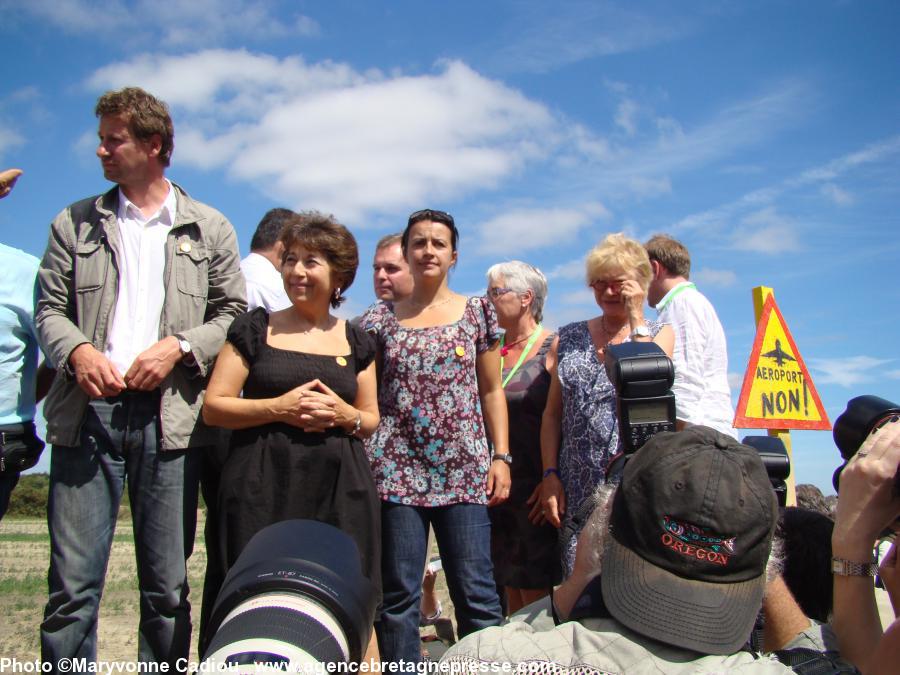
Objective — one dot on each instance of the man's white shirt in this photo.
(142, 292)
(702, 394)
(265, 288)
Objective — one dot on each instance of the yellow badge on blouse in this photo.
(341, 361)
(460, 351)
(185, 247)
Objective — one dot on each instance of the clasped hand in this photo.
(312, 407)
(98, 376)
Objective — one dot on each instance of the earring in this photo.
(337, 293)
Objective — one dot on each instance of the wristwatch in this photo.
(640, 331)
(849, 568)
(187, 357)
(501, 457)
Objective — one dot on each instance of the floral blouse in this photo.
(430, 448)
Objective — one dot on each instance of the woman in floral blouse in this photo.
(439, 385)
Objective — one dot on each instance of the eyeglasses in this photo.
(498, 292)
(433, 215)
(600, 285)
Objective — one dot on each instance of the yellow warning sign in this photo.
(777, 392)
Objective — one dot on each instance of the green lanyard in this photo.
(527, 348)
(678, 290)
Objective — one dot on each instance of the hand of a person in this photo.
(153, 365)
(889, 571)
(633, 298)
(552, 502)
(292, 405)
(498, 483)
(8, 178)
(94, 373)
(318, 411)
(536, 514)
(867, 502)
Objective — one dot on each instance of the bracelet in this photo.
(552, 469)
(357, 425)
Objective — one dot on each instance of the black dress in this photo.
(525, 555)
(278, 472)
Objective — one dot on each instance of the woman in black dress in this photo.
(309, 397)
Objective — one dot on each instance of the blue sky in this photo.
(764, 135)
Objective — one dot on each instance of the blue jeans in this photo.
(119, 444)
(463, 533)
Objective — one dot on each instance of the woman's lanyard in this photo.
(525, 350)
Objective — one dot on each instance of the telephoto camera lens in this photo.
(296, 595)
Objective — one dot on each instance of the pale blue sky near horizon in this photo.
(764, 135)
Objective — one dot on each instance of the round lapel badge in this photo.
(341, 361)
(185, 247)
(460, 351)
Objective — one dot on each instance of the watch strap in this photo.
(850, 568)
(501, 457)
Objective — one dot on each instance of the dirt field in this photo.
(24, 558)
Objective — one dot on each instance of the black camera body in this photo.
(642, 375)
(775, 458)
(853, 426)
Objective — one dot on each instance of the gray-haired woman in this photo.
(526, 557)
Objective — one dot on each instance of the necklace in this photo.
(608, 333)
(506, 346)
(525, 350)
(422, 308)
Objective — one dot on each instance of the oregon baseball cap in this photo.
(691, 530)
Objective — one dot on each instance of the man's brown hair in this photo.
(670, 253)
(146, 115)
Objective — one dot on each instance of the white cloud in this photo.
(326, 136)
(712, 277)
(837, 195)
(735, 381)
(846, 371)
(825, 174)
(582, 297)
(178, 23)
(9, 140)
(572, 270)
(644, 166)
(893, 374)
(626, 116)
(520, 230)
(548, 36)
(766, 231)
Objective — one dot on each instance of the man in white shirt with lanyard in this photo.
(702, 394)
(262, 267)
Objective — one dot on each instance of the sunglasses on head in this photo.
(433, 215)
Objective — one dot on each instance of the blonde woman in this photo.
(579, 429)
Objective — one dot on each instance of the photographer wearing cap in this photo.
(868, 502)
(684, 560)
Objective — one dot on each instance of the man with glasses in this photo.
(702, 394)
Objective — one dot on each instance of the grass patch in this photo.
(30, 584)
(20, 537)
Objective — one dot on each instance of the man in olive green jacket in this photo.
(137, 289)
